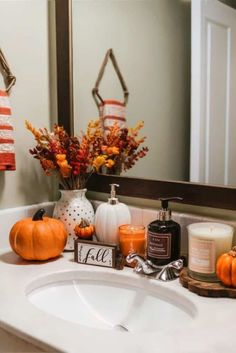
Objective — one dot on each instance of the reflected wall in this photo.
(151, 41)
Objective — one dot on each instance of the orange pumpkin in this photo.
(39, 238)
(226, 268)
(84, 230)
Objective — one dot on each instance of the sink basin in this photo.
(111, 301)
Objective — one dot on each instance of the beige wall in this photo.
(151, 40)
(25, 42)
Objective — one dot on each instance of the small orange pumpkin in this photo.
(39, 238)
(84, 229)
(226, 268)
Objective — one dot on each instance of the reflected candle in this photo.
(132, 239)
(207, 241)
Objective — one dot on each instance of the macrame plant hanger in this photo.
(111, 110)
(9, 78)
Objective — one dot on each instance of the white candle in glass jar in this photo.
(207, 241)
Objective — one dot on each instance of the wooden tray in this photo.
(205, 289)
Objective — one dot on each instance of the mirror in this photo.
(151, 42)
(192, 193)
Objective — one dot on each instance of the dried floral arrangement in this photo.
(121, 149)
(73, 159)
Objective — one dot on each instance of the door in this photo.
(213, 93)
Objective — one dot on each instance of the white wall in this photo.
(24, 39)
(151, 40)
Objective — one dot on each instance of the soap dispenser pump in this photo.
(109, 216)
(164, 236)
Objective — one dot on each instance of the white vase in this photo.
(70, 209)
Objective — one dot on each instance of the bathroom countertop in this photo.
(211, 329)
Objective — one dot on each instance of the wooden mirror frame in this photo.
(192, 193)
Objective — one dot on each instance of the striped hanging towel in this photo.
(112, 111)
(7, 152)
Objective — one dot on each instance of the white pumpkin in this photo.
(109, 216)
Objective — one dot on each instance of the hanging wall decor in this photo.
(121, 143)
(7, 152)
(111, 110)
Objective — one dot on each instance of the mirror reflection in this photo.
(151, 40)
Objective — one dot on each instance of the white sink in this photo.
(111, 301)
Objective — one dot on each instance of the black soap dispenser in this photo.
(164, 236)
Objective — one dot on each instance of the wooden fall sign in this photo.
(95, 253)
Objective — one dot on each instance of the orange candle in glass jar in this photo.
(132, 239)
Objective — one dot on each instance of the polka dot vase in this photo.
(71, 207)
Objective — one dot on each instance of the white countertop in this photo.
(211, 330)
